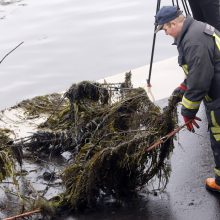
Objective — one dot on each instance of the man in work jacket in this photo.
(198, 45)
(206, 11)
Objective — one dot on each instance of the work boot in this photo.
(212, 185)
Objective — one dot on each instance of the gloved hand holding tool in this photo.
(190, 122)
(179, 91)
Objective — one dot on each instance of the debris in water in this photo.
(106, 129)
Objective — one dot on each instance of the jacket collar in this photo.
(188, 21)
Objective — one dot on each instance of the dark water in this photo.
(66, 41)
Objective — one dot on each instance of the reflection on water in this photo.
(142, 207)
(66, 41)
(5, 9)
(7, 2)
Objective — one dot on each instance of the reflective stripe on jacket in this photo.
(199, 55)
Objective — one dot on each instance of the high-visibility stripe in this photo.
(214, 122)
(217, 40)
(185, 69)
(189, 104)
(217, 171)
(215, 130)
(208, 99)
(217, 137)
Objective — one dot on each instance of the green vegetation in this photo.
(107, 128)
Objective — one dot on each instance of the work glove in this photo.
(190, 122)
(179, 91)
(177, 94)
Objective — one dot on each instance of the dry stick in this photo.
(11, 51)
(23, 215)
(166, 137)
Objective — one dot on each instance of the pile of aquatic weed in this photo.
(107, 129)
(42, 104)
(8, 156)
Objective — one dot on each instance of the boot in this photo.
(212, 185)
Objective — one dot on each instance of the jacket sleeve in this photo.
(200, 73)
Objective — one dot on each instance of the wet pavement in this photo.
(185, 196)
(192, 162)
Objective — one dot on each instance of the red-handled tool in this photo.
(166, 137)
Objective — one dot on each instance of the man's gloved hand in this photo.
(190, 122)
(179, 91)
(177, 94)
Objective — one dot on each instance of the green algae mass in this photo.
(106, 128)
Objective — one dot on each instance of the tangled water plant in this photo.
(8, 156)
(107, 129)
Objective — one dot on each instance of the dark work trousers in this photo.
(213, 117)
(207, 11)
(216, 153)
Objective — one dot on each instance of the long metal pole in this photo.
(177, 3)
(186, 8)
(153, 47)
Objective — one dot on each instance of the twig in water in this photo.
(23, 215)
(11, 51)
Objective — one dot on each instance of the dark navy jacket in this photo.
(199, 55)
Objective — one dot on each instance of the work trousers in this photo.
(216, 153)
(207, 11)
(213, 116)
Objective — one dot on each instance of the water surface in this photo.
(66, 41)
